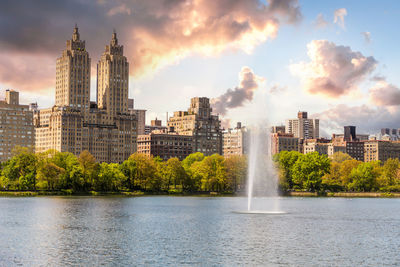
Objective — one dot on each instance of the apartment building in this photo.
(16, 125)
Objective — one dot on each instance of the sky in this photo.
(255, 60)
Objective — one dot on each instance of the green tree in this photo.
(49, 175)
(20, 171)
(145, 169)
(110, 178)
(89, 168)
(363, 178)
(339, 157)
(212, 173)
(308, 171)
(236, 172)
(191, 164)
(332, 179)
(286, 160)
(174, 173)
(390, 174)
(345, 170)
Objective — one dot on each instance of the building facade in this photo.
(303, 127)
(106, 129)
(355, 150)
(155, 125)
(235, 141)
(165, 145)
(16, 125)
(381, 150)
(283, 142)
(200, 123)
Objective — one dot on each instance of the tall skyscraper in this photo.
(113, 79)
(73, 75)
(106, 129)
(303, 127)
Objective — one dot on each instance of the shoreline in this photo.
(199, 194)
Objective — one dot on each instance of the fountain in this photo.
(262, 179)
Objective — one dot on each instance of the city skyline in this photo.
(190, 61)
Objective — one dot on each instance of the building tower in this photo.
(113, 79)
(350, 133)
(73, 75)
(303, 127)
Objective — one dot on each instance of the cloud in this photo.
(339, 15)
(154, 33)
(277, 88)
(334, 70)
(232, 98)
(320, 21)
(367, 118)
(385, 94)
(367, 36)
(121, 9)
(23, 70)
(378, 78)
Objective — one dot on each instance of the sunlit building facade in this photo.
(106, 129)
(200, 123)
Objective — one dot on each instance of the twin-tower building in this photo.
(109, 127)
(105, 128)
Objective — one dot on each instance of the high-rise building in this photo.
(235, 141)
(350, 133)
(16, 125)
(73, 75)
(106, 129)
(113, 79)
(199, 122)
(303, 127)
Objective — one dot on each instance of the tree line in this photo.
(315, 172)
(53, 170)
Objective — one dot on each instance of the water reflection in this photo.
(171, 231)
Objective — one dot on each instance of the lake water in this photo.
(197, 231)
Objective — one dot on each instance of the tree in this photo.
(49, 175)
(390, 174)
(286, 160)
(191, 164)
(212, 174)
(20, 171)
(145, 169)
(332, 179)
(345, 170)
(339, 157)
(174, 173)
(110, 178)
(309, 170)
(236, 172)
(363, 178)
(89, 168)
(192, 158)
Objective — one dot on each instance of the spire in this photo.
(75, 35)
(114, 40)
